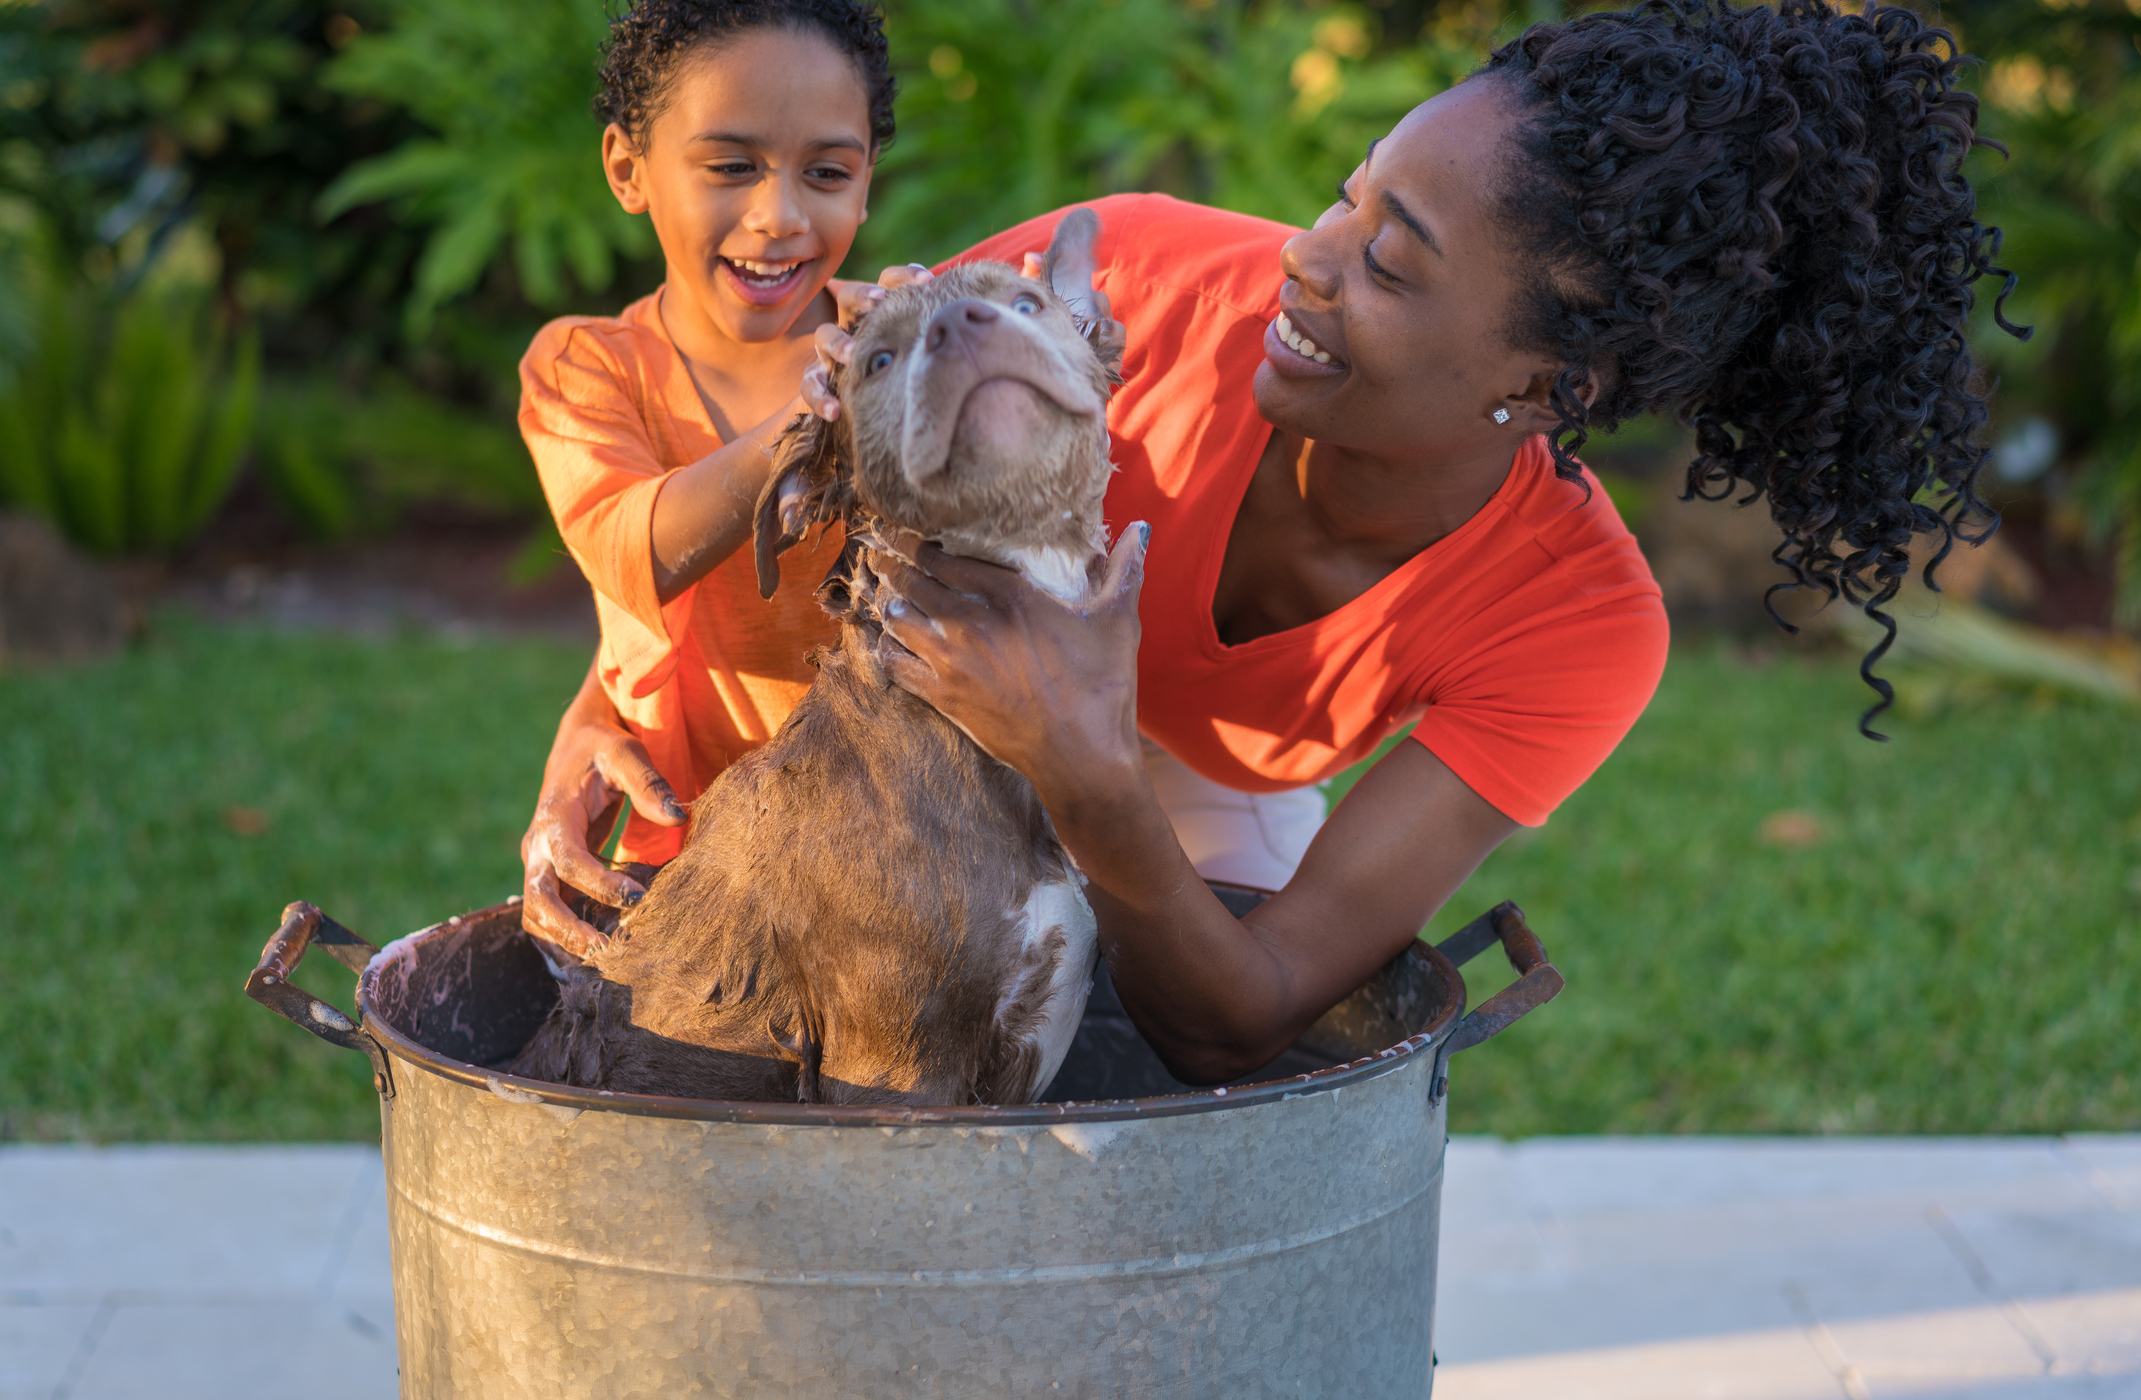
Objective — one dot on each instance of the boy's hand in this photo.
(835, 344)
(595, 767)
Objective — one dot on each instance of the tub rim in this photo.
(524, 1090)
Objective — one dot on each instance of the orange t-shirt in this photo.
(1524, 644)
(609, 409)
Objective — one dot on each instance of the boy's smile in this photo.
(764, 283)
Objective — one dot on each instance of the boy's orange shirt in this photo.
(608, 409)
(1524, 645)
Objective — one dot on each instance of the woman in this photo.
(1364, 505)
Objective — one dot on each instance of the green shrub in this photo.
(125, 424)
(2062, 89)
(1011, 108)
(513, 164)
(339, 461)
(122, 119)
(1008, 108)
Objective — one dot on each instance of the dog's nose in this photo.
(967, 319)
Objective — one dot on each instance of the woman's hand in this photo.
(1047, 688)
(595, 766)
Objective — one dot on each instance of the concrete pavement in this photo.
(1649, 1268)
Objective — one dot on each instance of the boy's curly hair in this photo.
(1756, 219)
(639, 60)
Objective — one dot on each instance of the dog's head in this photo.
(974, 412)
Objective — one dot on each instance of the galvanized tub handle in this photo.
(302, 926)
(1538, 981)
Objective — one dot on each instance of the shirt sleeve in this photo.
(601, 474)
(1526, 719)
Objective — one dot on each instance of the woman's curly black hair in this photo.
(639, 60)
(1756, 219)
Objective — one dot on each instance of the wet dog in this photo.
(870, 909)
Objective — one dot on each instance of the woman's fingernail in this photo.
(632, 899)
(672, 810)
(1144, 535)
(895, 608)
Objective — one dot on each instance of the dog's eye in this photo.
(877, 362)
(1026, 304)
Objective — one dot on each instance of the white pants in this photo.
(1244, 838)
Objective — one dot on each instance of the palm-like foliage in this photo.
(126, 425)
(1008, 108)
(512, 164)
(1013, 107)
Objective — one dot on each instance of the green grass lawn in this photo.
(394, 777)
(1959, 951)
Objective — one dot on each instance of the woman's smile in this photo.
(1297, 355)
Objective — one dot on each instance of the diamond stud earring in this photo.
(1501, 415)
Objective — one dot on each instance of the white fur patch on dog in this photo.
(1058, 572)
(1059, 904)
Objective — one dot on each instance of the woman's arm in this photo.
(1052, 692)
(595, 766)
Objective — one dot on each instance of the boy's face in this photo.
(756, 174)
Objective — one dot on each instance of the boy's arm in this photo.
(595, 766)
(705, 511)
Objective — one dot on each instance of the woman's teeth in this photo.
(1300, 343)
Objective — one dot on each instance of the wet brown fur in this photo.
(842, 924)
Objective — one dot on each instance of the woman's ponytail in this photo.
(1756, 219)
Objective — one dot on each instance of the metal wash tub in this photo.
(1148, 1239)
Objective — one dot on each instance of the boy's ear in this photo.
(620, 166)
(810, 485)
(1068, 267)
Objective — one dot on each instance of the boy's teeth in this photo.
(775, 271)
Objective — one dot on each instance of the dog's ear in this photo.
(810, 485)
(1068, 265)
(1068, 269)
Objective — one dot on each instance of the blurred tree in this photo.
(2061, 81)
(1008, 108)
(1013, 107)
(508, 164)
(122, 121)
(414, 181)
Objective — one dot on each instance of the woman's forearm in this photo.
(1208, 992)
(1218, 997)
(704, 511)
